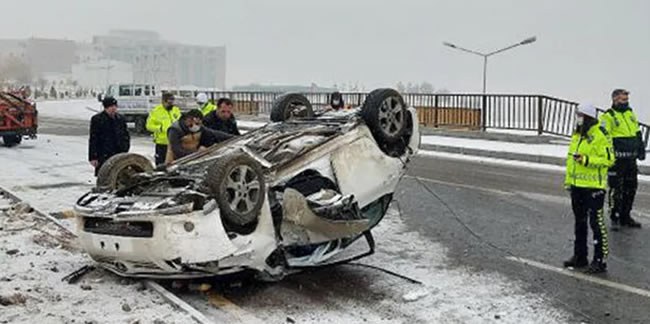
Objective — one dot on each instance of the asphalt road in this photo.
(525, 213)
(483, 214)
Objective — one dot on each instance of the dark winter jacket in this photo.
(182, 142)
(214, 122)
(108, 136)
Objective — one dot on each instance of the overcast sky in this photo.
(584, 49)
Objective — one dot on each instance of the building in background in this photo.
(122, 56)
(96, 74)
(50, 56)
(12, 48)
(164, 63)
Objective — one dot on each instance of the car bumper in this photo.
(186, 245)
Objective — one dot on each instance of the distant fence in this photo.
(542, 114)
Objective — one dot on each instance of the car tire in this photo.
(289, 106)
(12, 140)
(384, 112)
(141, 125)
(237, 183)
(117, 172)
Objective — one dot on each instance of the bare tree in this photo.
(426, 87)
(400, 86)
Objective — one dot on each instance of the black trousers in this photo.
(161, 153)
(99, 166)
(587, 205)
(623, 184)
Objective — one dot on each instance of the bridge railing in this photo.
(536, 113)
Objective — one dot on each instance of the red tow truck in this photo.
(18, 118)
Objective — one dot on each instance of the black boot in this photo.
(616, 225)
(576, 262)
(597, 266)
(631, 223)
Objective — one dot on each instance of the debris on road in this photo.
(31, 291)
(14, 299)
(415, 295)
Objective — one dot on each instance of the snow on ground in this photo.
(552, 150)
(54, 168)
(36, 255)
(447, 295)
(460, 295)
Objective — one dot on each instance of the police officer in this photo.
(108, 134)
(160, 119)
(590, 155)
(204, 104)
(622, 125)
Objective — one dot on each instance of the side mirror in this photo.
(100, 97)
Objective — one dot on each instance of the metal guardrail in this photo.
(539, 113)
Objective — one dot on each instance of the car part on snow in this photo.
(118, 172)
(237, 183)
(12, 140)
(302, 225)
(289, 106)
(77, 274)
(385, 113)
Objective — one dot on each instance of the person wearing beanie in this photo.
(108, 134)
(590, 155)
(622, 126)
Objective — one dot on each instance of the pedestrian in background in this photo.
(108, 134)
(222, 119)
(590, 155)
(205, 105)
(336, 101)
(159, 121)
(622, 125)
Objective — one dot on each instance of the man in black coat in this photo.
(108, 134)
(222, 118)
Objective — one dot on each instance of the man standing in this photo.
(160, 119)
(108, 134)
(222, 119)
(622, 126)
(590, 154)
(187, 136)
(204, 104)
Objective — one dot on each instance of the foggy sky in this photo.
(585, 48)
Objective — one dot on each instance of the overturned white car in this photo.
(289, 195)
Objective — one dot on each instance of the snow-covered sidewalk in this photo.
(543, 150)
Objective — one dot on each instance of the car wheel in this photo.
(140, 125)
(385, 114)
(118, 171)
(237, 183)
(12, 140)
(289, 106)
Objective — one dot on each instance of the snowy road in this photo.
(469, 277)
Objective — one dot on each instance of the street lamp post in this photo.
(486, 55)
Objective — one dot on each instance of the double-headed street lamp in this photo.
(486, 55)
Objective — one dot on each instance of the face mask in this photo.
(195, 128)
(335, 102)
(580, 120)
